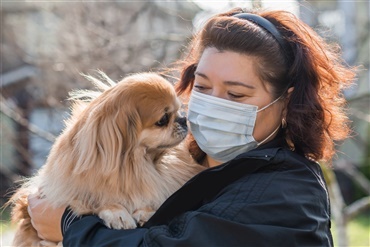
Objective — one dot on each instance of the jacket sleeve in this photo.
(283, 207)
(191, 229)
(91, 231)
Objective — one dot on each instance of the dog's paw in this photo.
(117, 218)
(142, 215)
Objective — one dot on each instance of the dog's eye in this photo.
(163, 121)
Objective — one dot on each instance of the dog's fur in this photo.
(120, 156)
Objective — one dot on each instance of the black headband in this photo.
(269, 27)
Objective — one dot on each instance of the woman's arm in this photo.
(286, 207)
(204, 227)
(190, 229)
(91, 231)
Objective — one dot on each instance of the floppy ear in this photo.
(104, 140)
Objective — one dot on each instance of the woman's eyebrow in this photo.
(238, 83)
(200, 74)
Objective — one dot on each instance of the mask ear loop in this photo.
(264, 140)
(263, 108)
(273, 102)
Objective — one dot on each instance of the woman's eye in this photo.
(163, 121)
(199, 87)
(236, 96)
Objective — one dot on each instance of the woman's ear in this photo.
(287, 96)
(286, 101)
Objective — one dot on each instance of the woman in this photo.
(265, 105)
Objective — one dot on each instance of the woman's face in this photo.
(232, 76)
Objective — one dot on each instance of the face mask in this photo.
(222, 128)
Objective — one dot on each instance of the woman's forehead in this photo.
(228, 66)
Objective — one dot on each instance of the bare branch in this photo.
(355, 174)
(13, 114)
(357, 207)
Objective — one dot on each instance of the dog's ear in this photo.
(104, 141)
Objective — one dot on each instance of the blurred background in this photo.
(45, 45)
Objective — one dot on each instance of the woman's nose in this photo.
(218, 93)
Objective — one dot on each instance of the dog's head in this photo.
(139, 112)
(151, 116)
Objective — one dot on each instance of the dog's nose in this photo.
(181, 121)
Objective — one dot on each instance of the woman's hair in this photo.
(316, 116)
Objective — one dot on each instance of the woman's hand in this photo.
(45, 219)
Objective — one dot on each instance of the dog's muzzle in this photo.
(182, 122)
(181, 127)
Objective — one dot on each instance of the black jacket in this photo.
(270, 196)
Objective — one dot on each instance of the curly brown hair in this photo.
(316, 113)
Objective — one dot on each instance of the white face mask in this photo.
(222, 128)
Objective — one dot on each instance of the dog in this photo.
(120, 156)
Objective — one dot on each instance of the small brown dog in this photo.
(120, 156)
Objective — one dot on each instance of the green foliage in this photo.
(358, 231)
(4, 218)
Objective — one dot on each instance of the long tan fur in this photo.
(120, 156)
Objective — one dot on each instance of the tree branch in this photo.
(357, 207)
(13, 114)
(355, 174)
